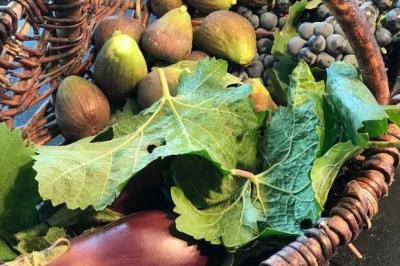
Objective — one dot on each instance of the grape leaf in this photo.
(361, 114)
(205, 118)
(326, 168)
(292, 142)
(234, 211)
(30, 244)
(18, 188)
(282, 37)
(218, 209)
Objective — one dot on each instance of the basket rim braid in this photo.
(60, 31)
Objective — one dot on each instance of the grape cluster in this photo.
(323, 41)
(264, 20)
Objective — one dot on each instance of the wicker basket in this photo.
(60, 32)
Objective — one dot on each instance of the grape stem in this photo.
(361, 37)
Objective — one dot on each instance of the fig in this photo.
(254, 3)
(208, 6)
(160, 7)
(196, 56)
(106, 27)
(81, 108)
(150, 90)
(260, 96)
(141, 239)
(119, 66)
(228, 35)
(170, 37)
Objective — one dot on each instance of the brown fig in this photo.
(81, 108)
(127, 25)
(160, 7)
(196, 56)
(228, 35)
(150, 90)
(170, 37)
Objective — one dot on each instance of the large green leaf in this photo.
(282, 37)
(326, 168)
(18, 188)
(205, 118)
(292, 142)
(218, 209)
(361, 115)
(234, 210)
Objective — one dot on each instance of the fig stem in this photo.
(164, 83)
(384, 144)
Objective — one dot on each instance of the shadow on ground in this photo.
(381, 244)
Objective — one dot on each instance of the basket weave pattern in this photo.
(60, 34)
(41, 42)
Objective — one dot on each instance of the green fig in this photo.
(150, 90)
(228, 35)
(208, 6)
(119, 66)
(160, 7)
(81, 108)
(260, 96)
(106, 27)
(170, 37)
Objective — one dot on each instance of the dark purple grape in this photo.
(383, 4)
(262, 10)
(338, 30)
(306, 30)
(255, 21)
(265, 77)
(241, 9)
(264, 45)
(335, 44)
(324, 28)
(317, 43)
(371, 12)
(348, 49)
(331, 20)
(255, 69)
(282, 21)
(248, 14)
(383, 36)
(295, 44)
(324, 60)
(269, 60)
(323, 12)
(392, 20)
(282, 6)
(351, 59)
(307, 55)
(268, 20)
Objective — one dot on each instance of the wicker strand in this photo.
(352, 213)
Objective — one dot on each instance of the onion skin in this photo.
(140, 239)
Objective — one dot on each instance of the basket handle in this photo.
(361, 37)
